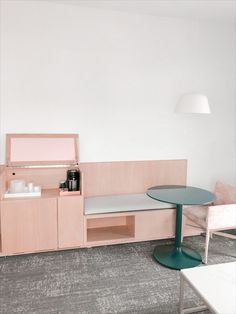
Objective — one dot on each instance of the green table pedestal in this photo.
(176, 258)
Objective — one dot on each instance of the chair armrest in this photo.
(221, 216)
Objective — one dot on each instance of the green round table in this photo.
(177, 256)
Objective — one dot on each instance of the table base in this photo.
(176, 258)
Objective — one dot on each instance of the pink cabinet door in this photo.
(29, 225)
(70, 221)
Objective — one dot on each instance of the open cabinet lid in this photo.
(41, 149)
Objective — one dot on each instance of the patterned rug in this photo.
(110, 279)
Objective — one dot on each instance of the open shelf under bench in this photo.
(110, 228)
(109, 233)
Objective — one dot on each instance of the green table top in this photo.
(180, 194)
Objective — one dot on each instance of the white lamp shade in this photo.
(193, 103)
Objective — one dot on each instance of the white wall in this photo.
(114, 78)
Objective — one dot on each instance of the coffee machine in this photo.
(73, 180)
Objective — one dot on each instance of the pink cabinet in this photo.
(70, 221)
(49, 221)
(28, 225)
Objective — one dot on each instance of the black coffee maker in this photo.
(73, 180)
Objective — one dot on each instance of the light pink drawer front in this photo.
(156, 224)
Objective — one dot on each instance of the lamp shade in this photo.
(193, 103)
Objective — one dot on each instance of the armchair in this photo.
(215, 218)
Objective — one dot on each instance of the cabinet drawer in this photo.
(157, 224)
(70, 221)
(29, 225)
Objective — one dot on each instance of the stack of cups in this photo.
(32, 188)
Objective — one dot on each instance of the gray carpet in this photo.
(110, 279)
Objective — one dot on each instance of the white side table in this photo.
(214, 284)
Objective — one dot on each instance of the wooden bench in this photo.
(116, 208)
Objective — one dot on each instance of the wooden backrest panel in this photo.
(130, 177)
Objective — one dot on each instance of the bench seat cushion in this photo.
(122, 203)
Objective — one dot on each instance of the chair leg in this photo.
(183, 229)
(206, 246)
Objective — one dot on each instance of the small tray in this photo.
(24, 194)
(68, 193)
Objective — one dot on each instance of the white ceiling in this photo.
(214, 10)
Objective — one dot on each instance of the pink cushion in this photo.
(197, 214)
(225, 194)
